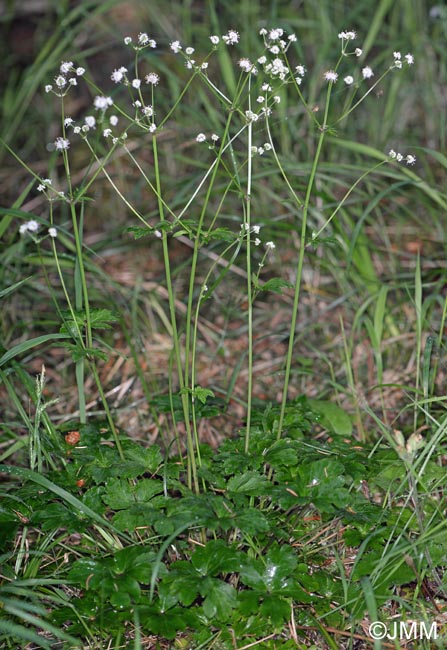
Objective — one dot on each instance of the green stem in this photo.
(299, 269)
(192, 466)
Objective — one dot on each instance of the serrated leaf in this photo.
(120, 494)
(332, 416)
(220, 598)
(215, 557)
(250, 483)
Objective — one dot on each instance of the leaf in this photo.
(215, 557)
(13, 287)
(332, 416)
(20, 348)
(30, 475)
(120, 494)
(202, 393)
(281, 562)
(250, 483)
(276, 285)
(220, 598)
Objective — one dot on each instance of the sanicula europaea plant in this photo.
(234, 151)
(126, 477)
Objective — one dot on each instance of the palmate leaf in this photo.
(251, 483)
(220, 598)
(120, 494)
(216, 557)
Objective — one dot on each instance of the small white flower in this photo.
(263, 32)
(137, 104)
(251, 117)
(73, 81)
(118, 75)
(214, 39)
(275, 34)
(260, 99)
(266, 87)
(397, 55)
(65, 67)
(331, 76)
(113, 120)
(147, 111)
(80, 71)
(152, 78)
(48, 88)
(189, 51)
(52, 232)
(245, 65)
(41, 187)
(107, 133)
(274, 49)
(157, 233)
(68, 121)
(349, 80)
(347, 36)
(127, 40)
(201, 137)
(231, 37)
(292, 38)
(358, 51)
(176, 47)
(256, 229)
(32, 226)
(399, 157)
(90, 121)
(397, 64)
(409, 58)
(204, 65)
(367, 72)
(61, 144)
(215, 137)
(392, 153)
(152, 128)
(262, 60)
(410, 160)
(143, 38)
(277, 99)
(300, 70)
(77, 130)
(257, 241)
(101, 103)
(270, 245)
(60, 81)
(136, 83)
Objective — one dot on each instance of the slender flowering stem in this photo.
(299, 269)
(247, 224)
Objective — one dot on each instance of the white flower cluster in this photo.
(261, 150)
(255, 230)
(201, 137)
(408, 58)
(32, 227)
(143, 41)
(398, 157)
(63, 82)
